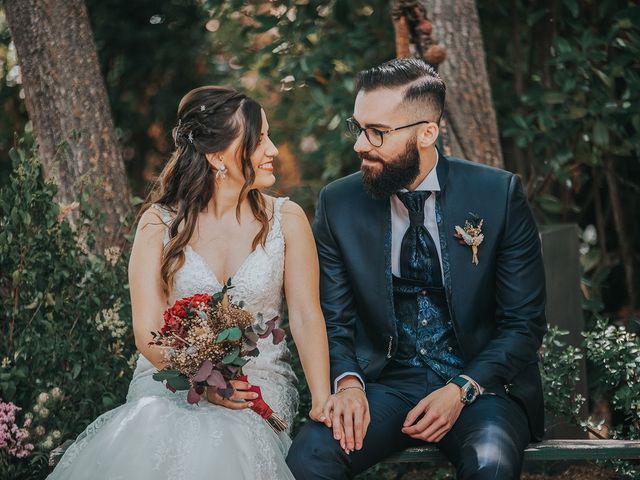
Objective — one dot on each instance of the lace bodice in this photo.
(258, 282)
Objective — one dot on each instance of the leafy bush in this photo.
(66, 344)
(615, 352)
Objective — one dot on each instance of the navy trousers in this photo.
(486, 442)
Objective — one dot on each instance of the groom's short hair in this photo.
(424, 87)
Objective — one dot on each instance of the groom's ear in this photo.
(427, 135)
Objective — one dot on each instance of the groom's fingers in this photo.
(359, 428)
(347, 423)
(437, 436)
(336, 423)
(414, 413)
(419, 427)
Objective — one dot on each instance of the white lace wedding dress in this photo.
(157, 435)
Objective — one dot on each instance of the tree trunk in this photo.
(68, 105)
(446, 34)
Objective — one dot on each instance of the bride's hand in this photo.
(240, 399)
(317, 412)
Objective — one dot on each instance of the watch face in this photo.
(469, 395)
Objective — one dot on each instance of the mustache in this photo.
(370, 158)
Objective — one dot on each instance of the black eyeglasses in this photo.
(375, 136)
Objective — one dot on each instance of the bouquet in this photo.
(207, 340)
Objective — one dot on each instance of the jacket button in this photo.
(424, 293)
(423, 351)
(450, 349)
(423, 323)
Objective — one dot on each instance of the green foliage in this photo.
(65, 326)
(303, 57)
(560, 371)
(617, 353)
(580, 104)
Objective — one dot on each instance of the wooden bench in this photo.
(548, 450)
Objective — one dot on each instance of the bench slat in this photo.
(547, 450)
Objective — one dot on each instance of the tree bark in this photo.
(67, 103)
(627, 257)
(446, 34)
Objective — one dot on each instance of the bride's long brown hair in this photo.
(210, 118)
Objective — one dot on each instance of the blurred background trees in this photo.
(547, 89)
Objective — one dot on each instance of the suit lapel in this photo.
(381, 255)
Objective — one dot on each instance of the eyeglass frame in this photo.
(382, 133)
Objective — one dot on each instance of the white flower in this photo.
(112, 254)
(44, 412)
(6, 362)
(43, 398)
(56, 393)
(40, 430)
(56, 434)
(590, 235)
(109, 320)
(48, 443)
(584, 249)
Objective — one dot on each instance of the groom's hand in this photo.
(348, 411)
(441, 409)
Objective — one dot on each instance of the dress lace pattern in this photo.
(156, 434)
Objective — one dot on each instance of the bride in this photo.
(210, 222)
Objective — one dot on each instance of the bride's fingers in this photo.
(240, 395)
(328, 407)
(240, 385)
(236, 405)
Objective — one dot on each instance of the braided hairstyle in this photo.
(210, 118)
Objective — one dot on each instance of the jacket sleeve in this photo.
(520, 298)
(336, 297)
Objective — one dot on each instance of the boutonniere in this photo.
(471, 234)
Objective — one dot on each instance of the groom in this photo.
(432, 287)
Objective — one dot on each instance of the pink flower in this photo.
(12, 437)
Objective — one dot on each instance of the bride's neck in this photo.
(224, 200)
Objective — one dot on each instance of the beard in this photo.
(394, 174)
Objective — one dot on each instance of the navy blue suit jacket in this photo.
(497, 306)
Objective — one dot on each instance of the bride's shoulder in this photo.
(293, 219)
(153, 220)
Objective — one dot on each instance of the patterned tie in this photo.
(418, 253)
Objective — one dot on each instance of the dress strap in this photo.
(167, 218)
(277, 213)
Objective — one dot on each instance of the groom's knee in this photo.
(315, 454)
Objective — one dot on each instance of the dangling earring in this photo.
(221, 174)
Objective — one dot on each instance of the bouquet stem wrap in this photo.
(264, 410)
